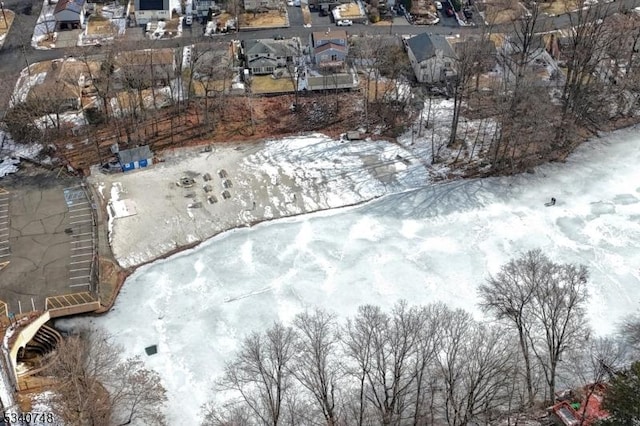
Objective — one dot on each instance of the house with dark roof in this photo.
(152, 10)
(432, 58)
(264, 56)
(69, 14)
(329, 49)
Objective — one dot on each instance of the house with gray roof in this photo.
(69, 13)
(135, 158)
(432, 58)
(263, 56)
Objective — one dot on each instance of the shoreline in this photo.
(124, 273)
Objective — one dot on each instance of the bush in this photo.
(457, 6)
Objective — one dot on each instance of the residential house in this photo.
(152, 10)
(257, 5)
(586, 410)
(69, 14)
(329, 49)
(326, 4)
(143, 68)
(263, 56)
(201, 7)
(432, 58)
(481, 51)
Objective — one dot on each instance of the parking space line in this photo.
(81, 269)
(81, 261)
(81, 241)
(82, 235)
(83, 254)
(80, 285)
(80, 221)
(79, 215)
(79, 278)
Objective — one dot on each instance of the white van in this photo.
(188, 20)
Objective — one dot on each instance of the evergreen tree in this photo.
(622, 399)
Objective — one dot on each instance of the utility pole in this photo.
(4, 17)
(24, 53)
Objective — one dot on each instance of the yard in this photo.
(5, 24)
(270, 19)
(556, 7)
(261, 84)
(101, 26)
(502, 11)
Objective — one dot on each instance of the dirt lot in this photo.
(98, 25)
(503, 11)
(557, 7)
(271, 19)
(5, 25)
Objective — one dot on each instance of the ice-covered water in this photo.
(430, 244)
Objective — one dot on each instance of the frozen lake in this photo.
(430, 244)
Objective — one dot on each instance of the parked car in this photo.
(188, 20)
(438, 5)
(278, 37)
(323, 12)
(450, 12)
(345, 22)
(290, 3)
(467, 13)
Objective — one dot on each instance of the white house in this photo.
(69, 14)
(432, 58)
(152, 10)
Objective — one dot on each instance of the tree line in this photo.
(423, 365)
(409, 365)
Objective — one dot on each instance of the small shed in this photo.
(135, 158)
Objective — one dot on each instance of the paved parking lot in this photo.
(45, 229)
(81, 228)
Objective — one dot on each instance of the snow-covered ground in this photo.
(45, 26)
(10, 151)
(266, 180)
(434, 243)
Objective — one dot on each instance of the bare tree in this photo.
(383, 346)
(559, 300)
(591, 365)
(97, 387)
(315, 365)
(509, 296)
(261, 372)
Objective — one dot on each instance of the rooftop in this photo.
(425, 46)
